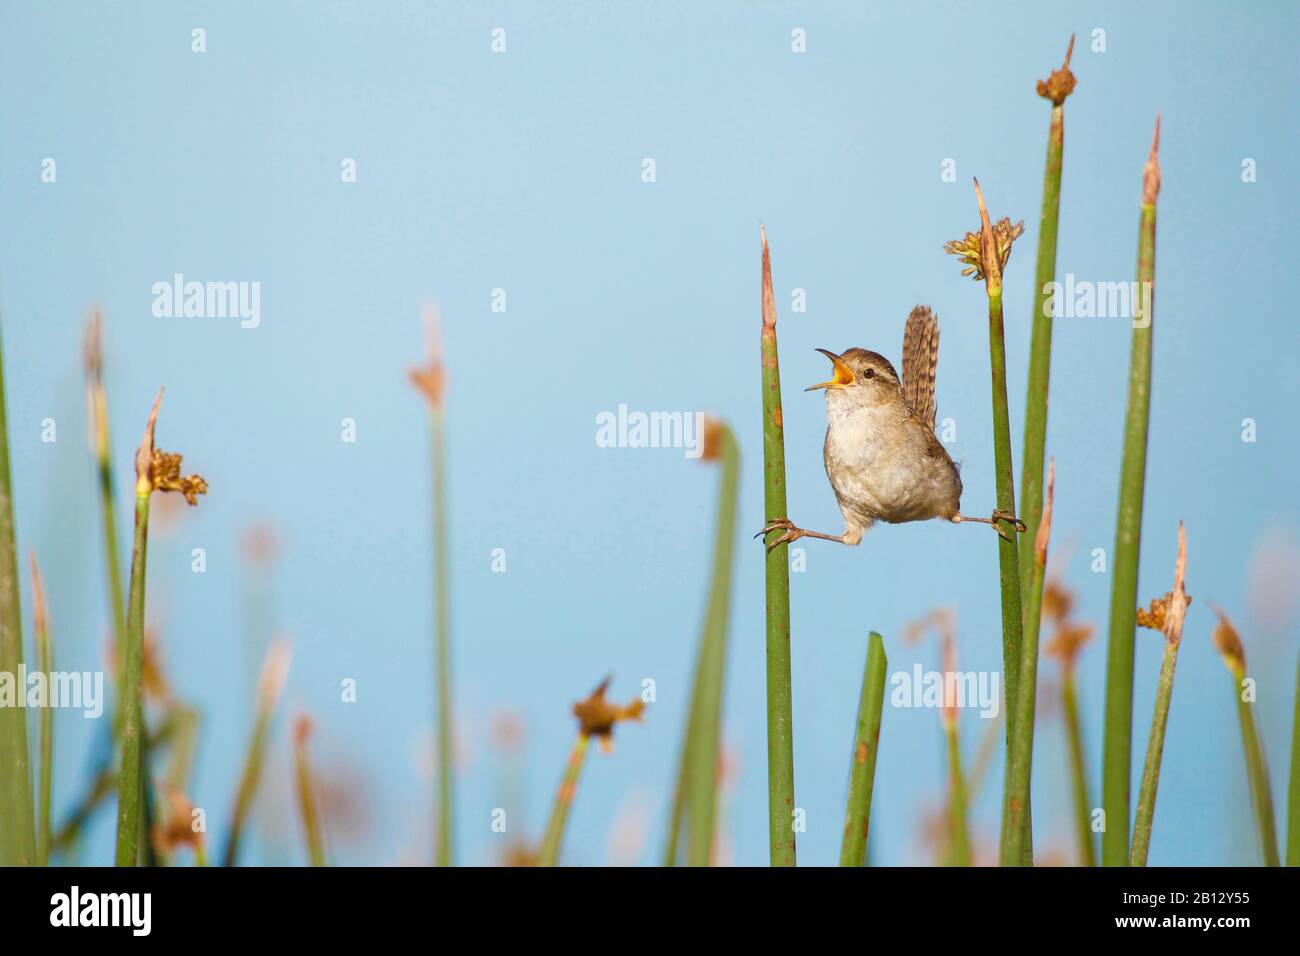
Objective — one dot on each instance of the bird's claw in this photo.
(1000, 515)
(791, 532)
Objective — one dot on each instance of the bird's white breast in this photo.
(880, 466)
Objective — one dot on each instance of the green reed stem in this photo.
(780, 732)
(1256, 773)
(1056, 89)
(549, 853)
(1015, 825)
(17, 825)
(705, 726)
(1118, 748)
(959, 849)
(1078, 769)
(1146, 806)
(862, 768)
(1293, 794)
(130, 780)
(443, 641)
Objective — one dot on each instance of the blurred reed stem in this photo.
(1078, 768)
(958, 832)
(549, 853)
(1257, 775)
(1173, 632)
(1021, 758)
(306, 793)
(1293, 794)
(1118, 747)
(45, 663)
(431, 381)
(780, 733)
(130, 780)
(17, 825)
(862, 768)
(269, 688)
(697, 781)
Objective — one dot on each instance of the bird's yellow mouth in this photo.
(843, 374)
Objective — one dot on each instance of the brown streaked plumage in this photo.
(881, 454)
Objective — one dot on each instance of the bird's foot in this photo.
(993, 522)
(791, 532)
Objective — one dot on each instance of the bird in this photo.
(881, 454)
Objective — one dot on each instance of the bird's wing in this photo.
(920, 361)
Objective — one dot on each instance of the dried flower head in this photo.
(1060, 83)
(1156, 617)
(1166, 613)
(597, 716)
(1068, 641)
(165, 471)
(1058, 600)
(177, 828)
(713, 432)
(431, 378)
(1228, 643)
(968, 248)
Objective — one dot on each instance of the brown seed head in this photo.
(1151, 172)
(1058, 601)
(165, 470)
(176, 827)
(713, 433)
(1060, 83)
(430, 379)
(1067, 642)
(597, 717)
(1228, 643)
(981, 264)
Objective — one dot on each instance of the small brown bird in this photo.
(881, 454)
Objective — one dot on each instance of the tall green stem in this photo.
(1056, 88)
(445, 756)
(862, 769)
(780, 733)
(705, 727)
(549, 854)
(1118, 751)
(1021, 758)
(17, 826)
(130, 781)
(1174, 611)
(1078, 769)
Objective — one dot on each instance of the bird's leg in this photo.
(992, 521)
(850, 536)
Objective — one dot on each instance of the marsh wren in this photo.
(882, 457)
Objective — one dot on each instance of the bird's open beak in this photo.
(843, 374)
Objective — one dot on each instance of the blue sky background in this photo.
(522, 171)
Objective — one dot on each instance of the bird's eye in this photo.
(868, 373)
